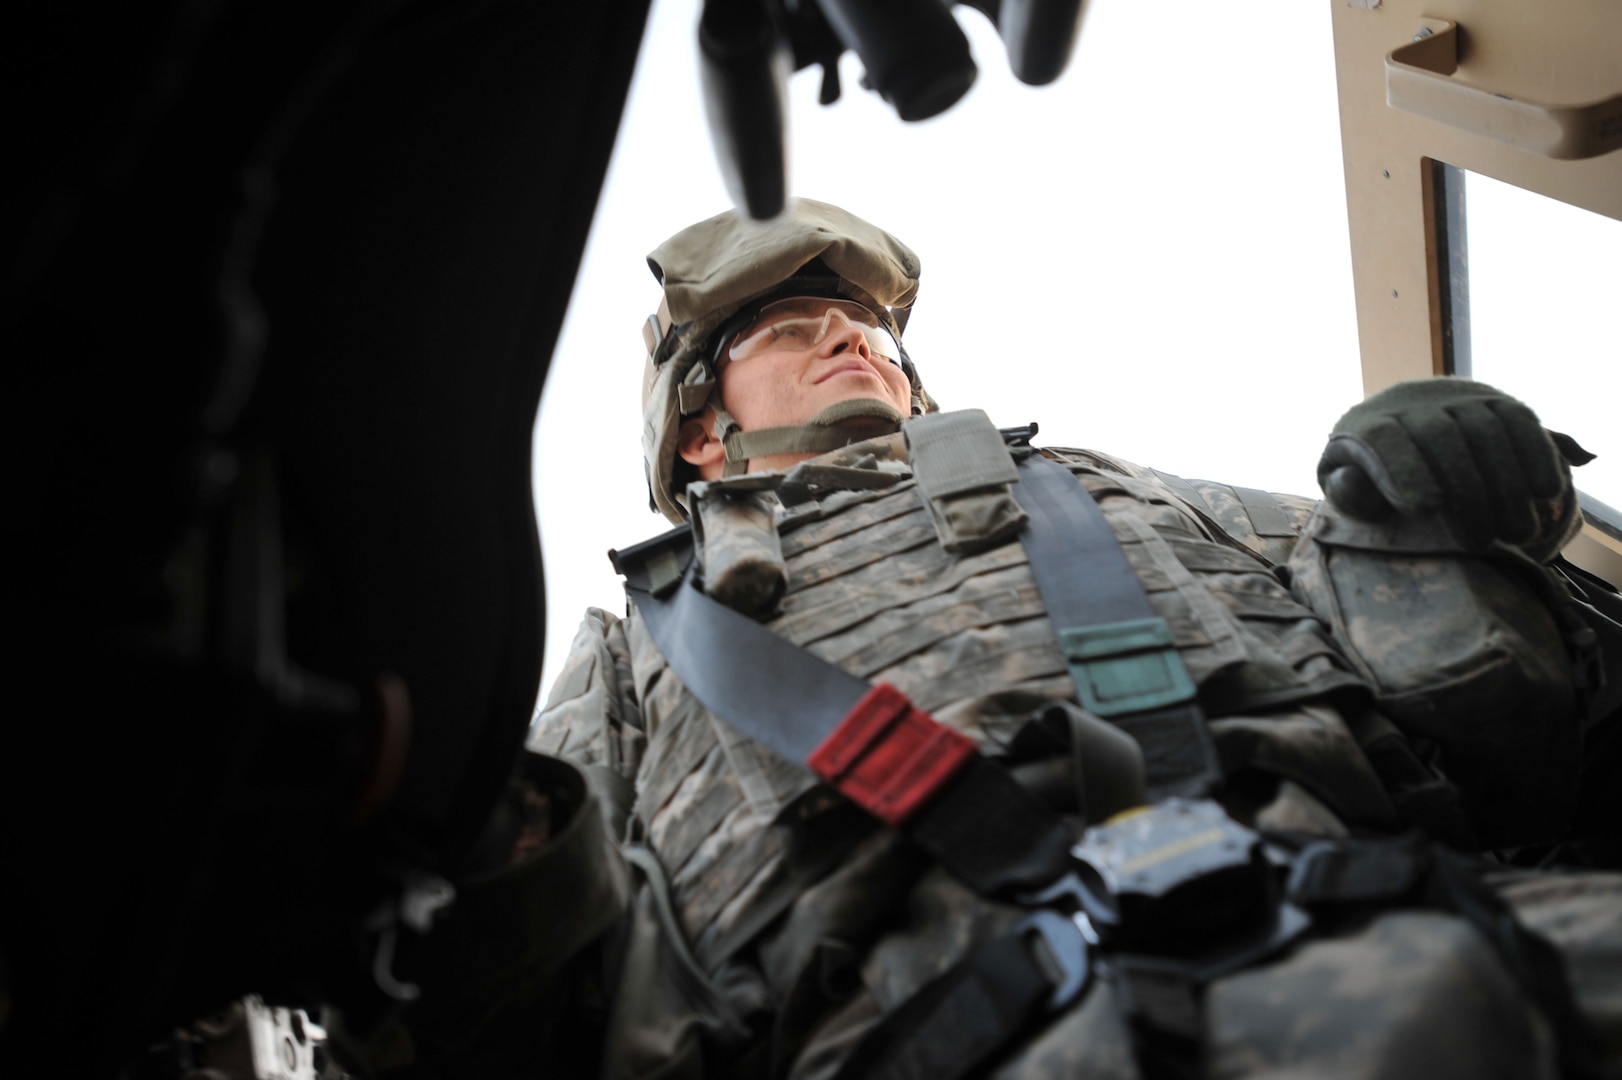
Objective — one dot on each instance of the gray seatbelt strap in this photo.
(742, 672)
(1121, 654)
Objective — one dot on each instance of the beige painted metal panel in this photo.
(1419, 79)
(1564, 52)
(1553, 51)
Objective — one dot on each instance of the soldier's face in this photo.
(803, 356)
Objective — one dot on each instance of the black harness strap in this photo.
(954, 1024)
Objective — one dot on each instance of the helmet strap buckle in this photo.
(695, 389)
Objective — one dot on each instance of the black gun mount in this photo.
(915, 54)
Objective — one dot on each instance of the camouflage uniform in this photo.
(774, 926)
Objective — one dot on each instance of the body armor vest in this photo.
(869, 586)
(788, 900)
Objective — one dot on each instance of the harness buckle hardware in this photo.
(1126, 667)
(1069, 941)
(1159, 877)
(1081, 894)
(889, 756)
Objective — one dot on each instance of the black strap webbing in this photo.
(952, 1026)
(1164, 1009)
(992, 835)
(1098, 608)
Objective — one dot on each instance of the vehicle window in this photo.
(1544, 279)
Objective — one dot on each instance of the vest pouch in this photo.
(741, 554)
(1465, 656)
(966, 477)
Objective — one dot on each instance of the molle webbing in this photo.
(1265, 515)
(1186, 491)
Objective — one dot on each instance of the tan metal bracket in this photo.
(1418, 79)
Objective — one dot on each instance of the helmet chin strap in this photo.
(840, 424)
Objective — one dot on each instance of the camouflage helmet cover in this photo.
(712, 270)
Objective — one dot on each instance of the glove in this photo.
(1461, 449)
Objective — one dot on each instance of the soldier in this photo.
(895, 663)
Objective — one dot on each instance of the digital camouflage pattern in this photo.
(789, 898)
(1496, 648)
(1410, 994)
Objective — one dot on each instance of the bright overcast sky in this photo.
(1149, 257)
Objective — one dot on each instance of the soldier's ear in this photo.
(697, 444)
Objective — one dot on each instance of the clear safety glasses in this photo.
(802, 322)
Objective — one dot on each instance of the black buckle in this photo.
(1019, 436)
(658, 565)
(1159, 885)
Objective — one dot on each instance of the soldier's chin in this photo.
(859, 412)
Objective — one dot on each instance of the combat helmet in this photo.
(719, 272)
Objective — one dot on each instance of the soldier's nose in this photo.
(847, 337)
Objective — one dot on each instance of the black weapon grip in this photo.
(744, 66)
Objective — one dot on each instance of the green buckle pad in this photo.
(1126, 667)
